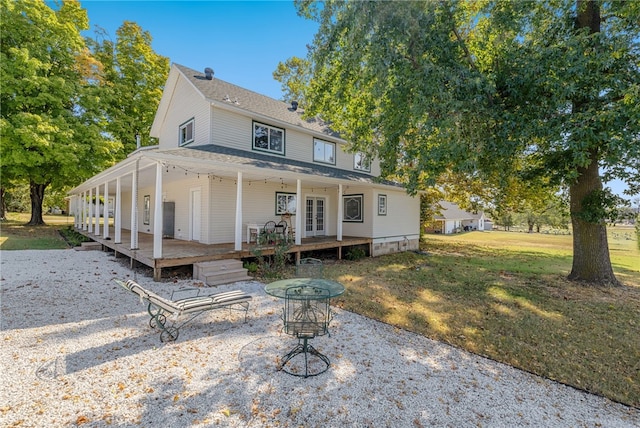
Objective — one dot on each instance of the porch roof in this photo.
(222, 161)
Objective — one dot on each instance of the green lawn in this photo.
(504, 295)
(14, 235)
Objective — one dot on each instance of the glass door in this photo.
(314, 217)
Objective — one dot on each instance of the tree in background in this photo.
(133, 77)
(49, 129)
(293, 75)
(542, 91)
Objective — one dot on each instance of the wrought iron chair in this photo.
(309, 268)
(281, 231)
(268, 234)
(306, 315)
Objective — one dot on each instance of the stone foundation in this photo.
(390, 247)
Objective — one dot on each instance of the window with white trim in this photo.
(361, 162)
(324, 151)
(185, 134)
(268, 138)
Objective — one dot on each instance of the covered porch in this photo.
(177, 252)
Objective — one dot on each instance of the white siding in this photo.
(185, 104)
(230, 129)
(403, 215)
(177, 188)
(365, 228)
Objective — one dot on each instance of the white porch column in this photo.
(134, 208)
(157, 215)
(238, 234)
(73, 207)
(84, 210)
(97, 211)
(117, 213)
(79, 208)
(299, 213)
(105, 212)
(90, 230)
(340, 212)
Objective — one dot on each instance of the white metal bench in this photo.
(160, 308)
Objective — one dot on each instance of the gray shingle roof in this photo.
(219, 91)
(238, 157)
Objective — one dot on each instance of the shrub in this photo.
(355, 253)
(73, 237)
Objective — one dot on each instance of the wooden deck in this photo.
(178, 252)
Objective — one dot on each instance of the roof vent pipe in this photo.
(208, 72)
(294, 105)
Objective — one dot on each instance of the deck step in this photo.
(89, 246)
(220, 272)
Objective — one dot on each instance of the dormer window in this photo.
(268, 138)
(324, 151)
(361, 162)
(185, 134)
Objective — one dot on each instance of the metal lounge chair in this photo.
(306, 315)
(161, 309)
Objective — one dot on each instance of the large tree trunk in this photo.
(591, 262)
(36, 192)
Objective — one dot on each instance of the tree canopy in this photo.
(70, 106)
(133, 76)
(49, 136)
(507, 93)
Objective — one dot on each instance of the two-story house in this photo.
(228, 161)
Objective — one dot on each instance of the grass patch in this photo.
(504, 295)
(14, 235)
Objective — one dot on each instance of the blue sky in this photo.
(242, 41)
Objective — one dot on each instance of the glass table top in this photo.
(278, 288)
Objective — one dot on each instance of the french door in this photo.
(315, 217)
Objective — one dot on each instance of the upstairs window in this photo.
(324, 151)
(185, 134)
(361, 162)
(268, 138)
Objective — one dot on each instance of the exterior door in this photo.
(196, 213)
(315, 217)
